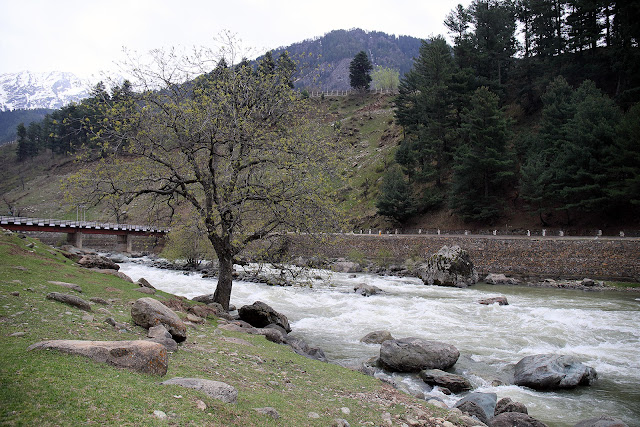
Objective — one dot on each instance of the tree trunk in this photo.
(222, 294)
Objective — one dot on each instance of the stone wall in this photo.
(603, 258)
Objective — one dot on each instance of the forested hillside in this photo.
(323, 62)
(549, 126)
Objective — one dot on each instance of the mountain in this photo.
(323, 62)
(51, 90)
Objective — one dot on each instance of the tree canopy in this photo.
(232, 144)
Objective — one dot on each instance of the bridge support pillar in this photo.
(124, 243)
(75, 239)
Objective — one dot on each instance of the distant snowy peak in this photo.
(27, 90)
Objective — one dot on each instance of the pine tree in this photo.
(425, 108)
(395, 200)
(580, 165)
(360, 72)
(22, 150)
(484, 165)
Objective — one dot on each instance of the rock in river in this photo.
(416, 354)
(552, 371)
(450, 266)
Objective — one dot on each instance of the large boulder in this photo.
(484, 401)
(416, 354)
(214, 389)
(140, 356)
(450, 266)
(453, 382)
(511, 419)
(148, 312)
(260, 315)
(552, 371)
(97, 261)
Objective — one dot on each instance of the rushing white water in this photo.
(600, 329)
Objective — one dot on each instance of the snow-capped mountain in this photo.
(27, 90)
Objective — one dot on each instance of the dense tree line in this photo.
(577, 73)
(70, 128)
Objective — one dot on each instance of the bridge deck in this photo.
(68, 226)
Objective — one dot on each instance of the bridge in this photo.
(75, 229)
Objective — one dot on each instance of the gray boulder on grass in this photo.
(416, 354)
(71, 300)
(552, 371)
(148, 312)
(450, 266)
(260, 315)
(140, 356)
(214, 389)
(97, 261)
(66, 285)
(144, 283)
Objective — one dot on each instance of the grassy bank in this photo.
(49, 388)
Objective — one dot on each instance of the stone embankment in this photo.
(541, 257)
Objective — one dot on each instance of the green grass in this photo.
(48, 388)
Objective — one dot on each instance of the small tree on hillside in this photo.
(385, 78)
(360, 72)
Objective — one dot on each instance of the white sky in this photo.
(86, 37)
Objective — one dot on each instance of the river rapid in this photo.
(601, 329)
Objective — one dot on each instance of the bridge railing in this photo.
(62, 223)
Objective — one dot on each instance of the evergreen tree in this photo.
(360, 72)
(494, 38)
(623, 164)
(426, 110)
(22, 150)
(395, 200)
(538, 173)
(581, 163)
(484, 165)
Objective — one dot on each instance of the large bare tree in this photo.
(233, 143)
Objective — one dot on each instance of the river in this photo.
(599, 328)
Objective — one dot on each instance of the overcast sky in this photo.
(86, 37)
